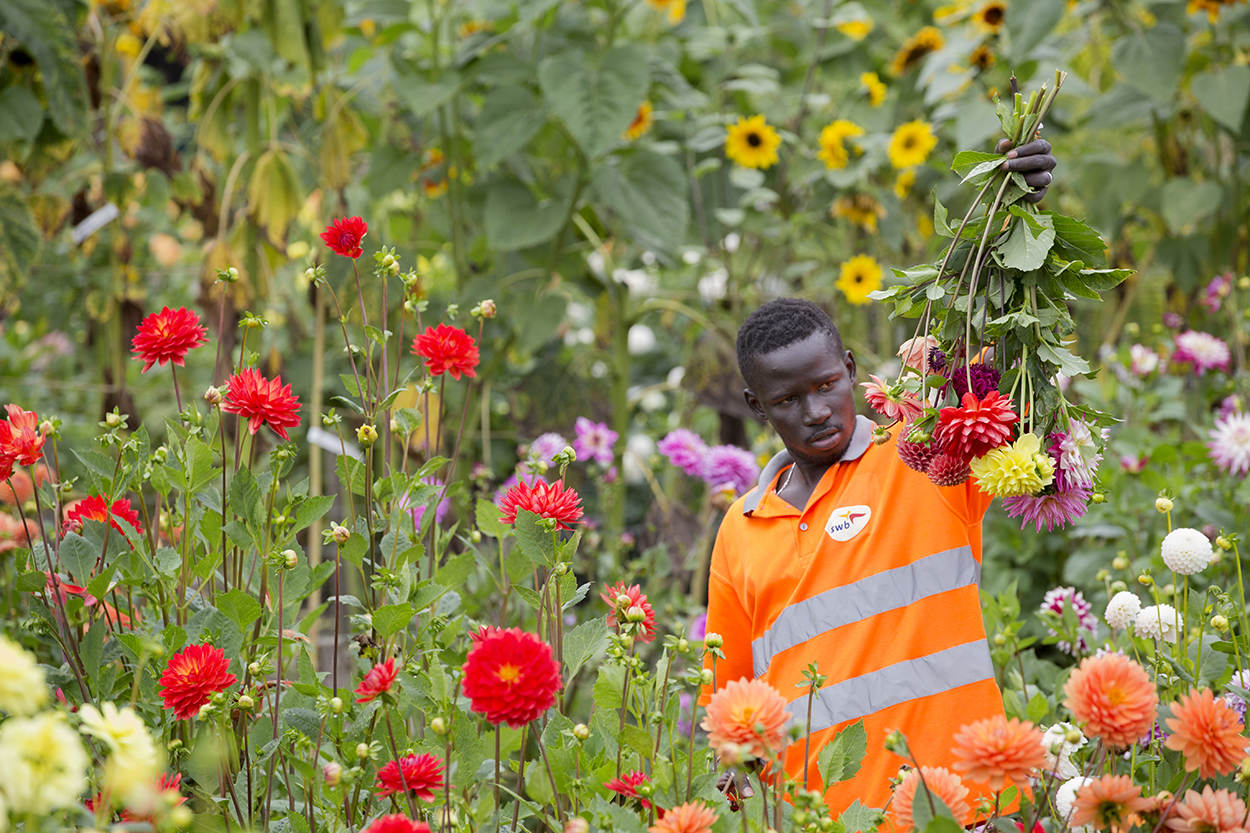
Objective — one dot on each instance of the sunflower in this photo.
(982, 58)
(860, 275)
(1211, 7)
(676, 9)
(861, 209)
(990, 17)
(927, 40)
(876, 89)
(856, 29)
(641, 123)
(833, 150)
(752, 143)
(911, 143)
(903, 182)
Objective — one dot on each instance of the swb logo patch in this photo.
(847, 521)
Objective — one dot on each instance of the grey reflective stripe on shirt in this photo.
(908, 680)
(850, 603)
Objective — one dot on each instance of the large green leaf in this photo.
(21, 115)
(1224, 94)
(19, 238)
(1186, 203)
(648, 192)
(424, 97)
(1151, 60)
(841, 758)
(1028, 26)
(516, 218)
(1029, 242)
(510, 117)
(51, 39)
(596, 95)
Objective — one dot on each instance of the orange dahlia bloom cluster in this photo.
(510, 676)
(1111, 802)
(995, 750)
(194, 675)
(693, 817)
(942, 783)
(1209, 811)
(1114, 697)
(167, 336)
(746, 717)
(1208, 733)
(379, 679)
(447, 350)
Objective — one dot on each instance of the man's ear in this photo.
(753, 402)
(850, 365)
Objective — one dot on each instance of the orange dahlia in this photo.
(547, 500)
(749, 715)
(417, 775)
(167, 336)
(96, 508)
(263, 401)
(193, 675)
(942, 783)
(1111, 802)
(996, 749)
(1207, 732)
(447, 350)
(1209, 811)
(378, 680)
(693, 817)
(510, 676)
(1114, 697)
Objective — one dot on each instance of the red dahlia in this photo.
(510, 676)
(397, 824)
(379, 679)
(345, 235)
(193, 675)
(96, 508)
(549, 500)
(447, 350)
(948, 470)
(620, 610)
(167, 336)
(418, 775)
(20, 439)
(262, 401)
(977, 427)
(627, 785)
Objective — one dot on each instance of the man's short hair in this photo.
(778, 324)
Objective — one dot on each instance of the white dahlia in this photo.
(1122, 610)
(1157, 622)
(23, 690)
(1186, 551)
(42, 763)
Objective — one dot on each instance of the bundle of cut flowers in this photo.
(979, 389)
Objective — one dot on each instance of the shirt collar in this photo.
(861, 439)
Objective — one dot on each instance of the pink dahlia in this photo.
(1203, 350)
(1056, 601)
(621, 600)
(891, 401)
(1055, 510)
(594, 441)
(684, 449)
(1230, 443)
(729, 465)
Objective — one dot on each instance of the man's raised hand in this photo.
(1034, 160)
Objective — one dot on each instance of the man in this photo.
(844, 556)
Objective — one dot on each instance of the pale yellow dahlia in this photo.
(1021, 468)
(42, 763)
(23, 690)
(134, 763)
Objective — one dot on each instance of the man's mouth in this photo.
(823, 438)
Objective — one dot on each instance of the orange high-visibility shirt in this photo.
(877, 581)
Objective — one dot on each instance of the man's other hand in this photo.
(1034, 161)
(736, 787)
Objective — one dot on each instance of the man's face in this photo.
(805, 390)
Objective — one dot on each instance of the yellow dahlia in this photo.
(911, 143)
(1021, 468)
(903, 183)
(833, 150)
(42, 763)
(874, 86)
(860, 275)
(134, 763)
(752, 143)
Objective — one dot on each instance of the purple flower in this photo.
(1173, 320)
(1055, 510)
(529, 478)
(1062, 597)
(1216, 291)
(1229, 442)
(594, 441)
(547, 446)
(684, 449)
(1203, 350)
(728, 464)
(418, 512)
(698, 628)
(984, 380)
(685, 703)
(1231, 404)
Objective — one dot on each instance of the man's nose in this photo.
(815, 410)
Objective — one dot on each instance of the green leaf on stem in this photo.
(858, 818)
(534, 542)
(511, 115)
(596, 95)
(388, 620)
(1224, 94)
(607, 691)
(1029, 241)
(841, 758)
(240, 606)
(1063, 359)
(77, 555)
(927, 808)
(488, 522)
(582, 643)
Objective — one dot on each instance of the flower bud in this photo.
(205, 711)
(1117, 586)
(635, 614)
(1097, 497)
(475, 536)
(112, 419)
(1163, 504)
(228, 275)
(1000, 639)
(336, 705)
(713, 640)
(1145, 579)
(1243, 771)
(896, 743)
(683, 645)
(577, 824)
(1219, 623)
(362, 751)
(174, 743)
(333, 774)
(1223, 543)
(487, 308)
(581, 731)
(253, 668)
(339, 533)
(623, 600)
(705, 676)
(801, 817)
(880, 435)
(367, 434)
(1102, 575)
(289, 559)
(46, 427)
(245, 702)
(310, 274)
(1073, 735)
(438, 726)
(1120, 562)
(212, 396)
(181, 816)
